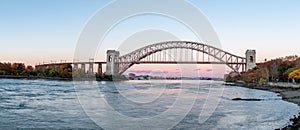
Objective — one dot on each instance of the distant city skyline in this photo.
(35, 31)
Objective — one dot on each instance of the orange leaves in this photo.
(295, 74)
(30, 68)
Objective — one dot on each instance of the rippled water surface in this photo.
(54, 104)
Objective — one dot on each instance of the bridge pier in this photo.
(83, 67)
(243, 68)
(100, 69)
(250, 59)
(75, 66)
(91, 68)
(44, 69)
(56, 67)
(112, 57)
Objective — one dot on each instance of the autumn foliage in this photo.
(15, 69)
(276, 70)
(60, 71)
(295, 75)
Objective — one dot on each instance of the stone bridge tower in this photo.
(250, 59)
(112, 67)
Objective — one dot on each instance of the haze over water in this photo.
(54, 104)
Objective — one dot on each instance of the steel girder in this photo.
(232, 61)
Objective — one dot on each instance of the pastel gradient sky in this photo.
(34, 31)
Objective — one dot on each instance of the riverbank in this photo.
(62, 79)
(33, 77)
(288, 92)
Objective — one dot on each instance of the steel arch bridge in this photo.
(173, 52)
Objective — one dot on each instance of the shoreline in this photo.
(54, 78)
(288, 92)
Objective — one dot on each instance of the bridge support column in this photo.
(83, 67)
(44, 69)
(100, 69)
(112, 57)
(243, 67)
(91, 68)
(56, 67)
(250, 59)
(75, 66)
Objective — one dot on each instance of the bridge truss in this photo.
(180, 52)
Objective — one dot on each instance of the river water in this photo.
(195, 105)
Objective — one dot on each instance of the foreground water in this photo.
(55, 105)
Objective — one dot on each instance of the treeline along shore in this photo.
(285, 69)
(61, 72)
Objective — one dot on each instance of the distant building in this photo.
(131, 76)
(140, 78)
(143, 77)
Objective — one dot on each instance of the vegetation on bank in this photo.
(18, 69)
(64, 71)
(285, 69)
(61, 71)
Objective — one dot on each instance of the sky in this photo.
(33, 31)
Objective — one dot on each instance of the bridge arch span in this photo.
(232, 61)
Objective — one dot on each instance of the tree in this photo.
(231, 77)
(99, 76)
(33, 72)
(46, 72)
(65, 71)
(53, 73)
(282, 68)
(18, 68)
(295, 75)
(79, 73)
(29, 68)
(272, 68)
(297, 63)
(290, 58)
(65, 74)
(288, 71)
(6, 68)
(249, 76)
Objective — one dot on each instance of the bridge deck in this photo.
(182, 62)
(147, 62)
(47, 64)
